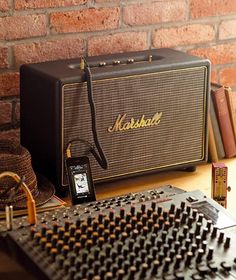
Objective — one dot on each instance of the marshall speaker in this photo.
(151, 112)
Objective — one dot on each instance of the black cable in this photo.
(100, 156)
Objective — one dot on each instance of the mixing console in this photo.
(163, 233)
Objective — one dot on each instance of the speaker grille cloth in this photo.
(178, 139)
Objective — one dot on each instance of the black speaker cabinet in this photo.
(151, 112)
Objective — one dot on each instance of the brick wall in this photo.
(40, 30)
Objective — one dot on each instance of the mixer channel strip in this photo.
(151, 239)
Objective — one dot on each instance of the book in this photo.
(231, 99)
(223, 116)
(216, 130)
(213, 156)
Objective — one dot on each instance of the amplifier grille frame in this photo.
(144, 170)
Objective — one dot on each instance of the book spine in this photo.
(212, 143)
(225, 125)
(216, 130)
(231, 100)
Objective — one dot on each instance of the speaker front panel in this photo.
(144, 122)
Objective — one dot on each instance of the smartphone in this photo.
(80, 180)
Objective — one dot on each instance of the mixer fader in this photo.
(158, 234)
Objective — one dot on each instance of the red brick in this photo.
(25, 26)
(120, 42)
(35, 4)
(12, 133)
(227, 29)
(17, 111)
(214, 77)
(85, 20)
(153, 13)
(5, 112)
(4, 5)
(9, 84)
(199, 8)
(4, 57)
(51, 50)
(107, 1)
(228, 76)
(184, 35)
(219, 54)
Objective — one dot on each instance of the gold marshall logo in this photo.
(121, 124)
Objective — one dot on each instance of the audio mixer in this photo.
(163, 233)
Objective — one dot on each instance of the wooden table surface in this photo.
(198, 180)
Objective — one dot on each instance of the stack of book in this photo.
(222, 123)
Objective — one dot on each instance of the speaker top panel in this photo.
(117, 65)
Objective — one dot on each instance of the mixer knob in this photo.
(44, 230)
(155, 228)
(178, 211)
(122, 213)
(185, 230)
(209, 225)
(176, 246)
(153, 205)
(189, 258)
(200, 255)
(154, 216)
(65, 250)
(194, 248)
(226, 266)
(187, 242)
(204, 233)
(214, 232)
(188, 210)
(174, 233)
(143, 207)
(148, 246)
(161, 257)
(190, 222)
(144, 269)
(198, 240)
(132, 272)
(194, 214)
(155, 267)
(182, 205)
(89, 220)
(121, 274)
(128, 217)
(200, 217)
(213, 266)
(179, 275)
(227, 243)
(166, 248)
(166, 264)
(108, 276)
(171, 254)
(203, 270)
(32, 232)
(221, 237)
(143, 254)
(184, 217)
(204, 245)
(102, 258)
(100, 218)
(178, 260)
(139, 215)
(111, 215)
(138, 263)
(210, 253)
(183, 250)
(132, 210)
